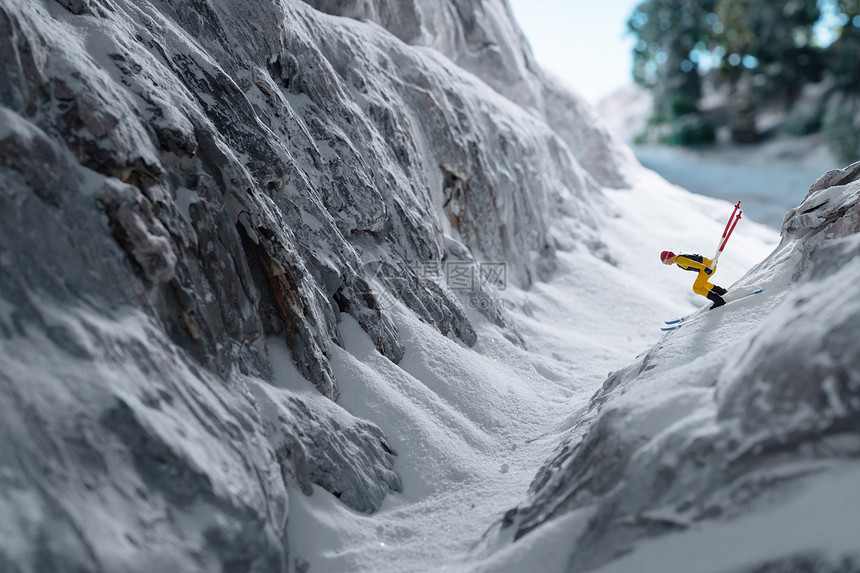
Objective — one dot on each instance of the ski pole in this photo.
(727, 232)
(735, 224)
(732, 216)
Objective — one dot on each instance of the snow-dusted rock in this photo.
(744, 424)
(479, 36)
(181, 184)
(482, 37)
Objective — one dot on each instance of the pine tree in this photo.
(843, 55)
(668, 31)
(841, 124)
(768, 54)
(785, 50)
(763, 49)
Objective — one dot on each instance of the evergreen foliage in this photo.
(763, 51)
(843, 56)
(668, 32)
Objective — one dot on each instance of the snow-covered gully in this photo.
(472, 426)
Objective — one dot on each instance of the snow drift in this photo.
(732, 444)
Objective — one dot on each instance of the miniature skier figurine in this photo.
(705, 267)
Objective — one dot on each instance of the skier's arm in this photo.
(694, 264)
(689, 263)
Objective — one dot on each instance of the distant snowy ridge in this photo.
(732, 445)
(182, 184)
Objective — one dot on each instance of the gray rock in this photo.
(481, 36)
(179, 183)
(836, 177)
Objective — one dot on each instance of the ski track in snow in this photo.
(471, 426)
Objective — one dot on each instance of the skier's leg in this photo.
(702, 286)
(717, 299)
(706, 289)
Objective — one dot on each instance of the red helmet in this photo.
(666, 255)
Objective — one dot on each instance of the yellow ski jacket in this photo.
(693, 263)
(701, 265)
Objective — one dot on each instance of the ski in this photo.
(673, 324)
(677, 323)
(757, 291)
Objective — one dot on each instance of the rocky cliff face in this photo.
(182, 182)
(483, 38)
(480, 37)
(742, 425)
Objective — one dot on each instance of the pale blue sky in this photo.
(582, 41)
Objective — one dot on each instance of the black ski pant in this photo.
(716, 296)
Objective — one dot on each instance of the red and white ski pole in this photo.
(727, 232)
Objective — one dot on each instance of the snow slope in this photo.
(732, 444)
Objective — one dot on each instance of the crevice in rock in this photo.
(270, 313)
